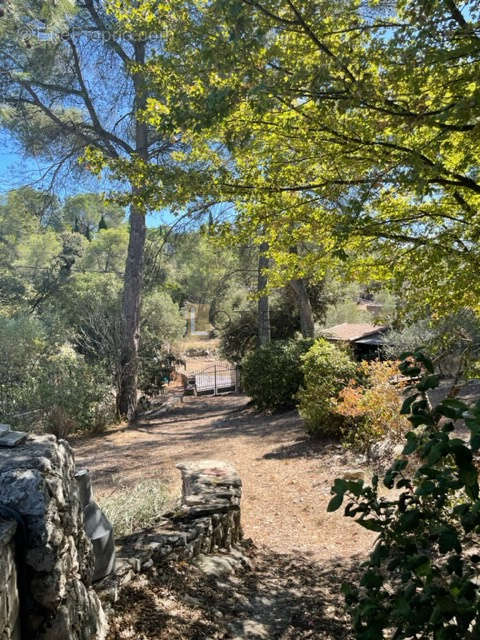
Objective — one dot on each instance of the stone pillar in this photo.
(9, 605)
(56, 598)
(212, 488)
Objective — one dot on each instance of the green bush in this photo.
(23, 343)
(238, 328)
(73, 394)
(132, 508)
(48, 387)
(163, 325)
(421, 580)
(326, 370)
(272, 374)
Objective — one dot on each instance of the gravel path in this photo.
(302, 554)
(284, 597)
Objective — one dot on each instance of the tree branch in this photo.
(313, 37)
(107, 136)
(113, 44)
(270, 14)
(71, 128)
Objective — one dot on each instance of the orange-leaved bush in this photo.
(371, 406)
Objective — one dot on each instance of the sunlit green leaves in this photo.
(420, 562)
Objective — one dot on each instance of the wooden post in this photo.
(215, 380)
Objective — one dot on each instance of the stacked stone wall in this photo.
(9, 603)
(55, 558)
(207, 521)
(46, 572)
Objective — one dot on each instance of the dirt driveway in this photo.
(286, 477)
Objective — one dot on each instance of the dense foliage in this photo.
(344, 134)
(272, 374)
(60, 323)
(348, 129)
(238, 329)
(48, 385)
(421, 580)
(453, 341)
(326, 368)
(370, 405)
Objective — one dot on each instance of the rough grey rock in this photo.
(355, 474)
(9, 600)
(384, 452)
(37, 480)
(215, 565)
(12, 438)
(223, 564)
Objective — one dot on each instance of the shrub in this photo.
(371, 406)
(23, 343)
(272, 374)
(326, 369)
(156, 370)
(73, 394)
(132, 508)
(46, 386)
(421, 580)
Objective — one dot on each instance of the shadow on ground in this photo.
(194, 428)
(303, 447)
(286, 597)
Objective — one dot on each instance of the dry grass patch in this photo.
(130, 508)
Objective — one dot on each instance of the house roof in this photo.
(351, 332)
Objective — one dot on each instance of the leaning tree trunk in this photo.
(264, 332)
(307, 326)
(133, 279)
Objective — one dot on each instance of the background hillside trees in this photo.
(69, 82)
(61, 316)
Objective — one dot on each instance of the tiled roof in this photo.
(350, 332)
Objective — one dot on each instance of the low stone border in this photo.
(208, 520)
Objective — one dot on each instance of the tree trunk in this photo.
(264, 333)
(307, 326)
(133, 280)
(127, 400)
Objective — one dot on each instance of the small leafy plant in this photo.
(422, 578)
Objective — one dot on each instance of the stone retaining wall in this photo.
(9, 604)
(57, 600)
(208, 520)
(54, 556)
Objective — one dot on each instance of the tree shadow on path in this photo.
(285, 597)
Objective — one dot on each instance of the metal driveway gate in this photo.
(216, 379)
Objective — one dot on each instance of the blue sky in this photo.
(16, 171)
